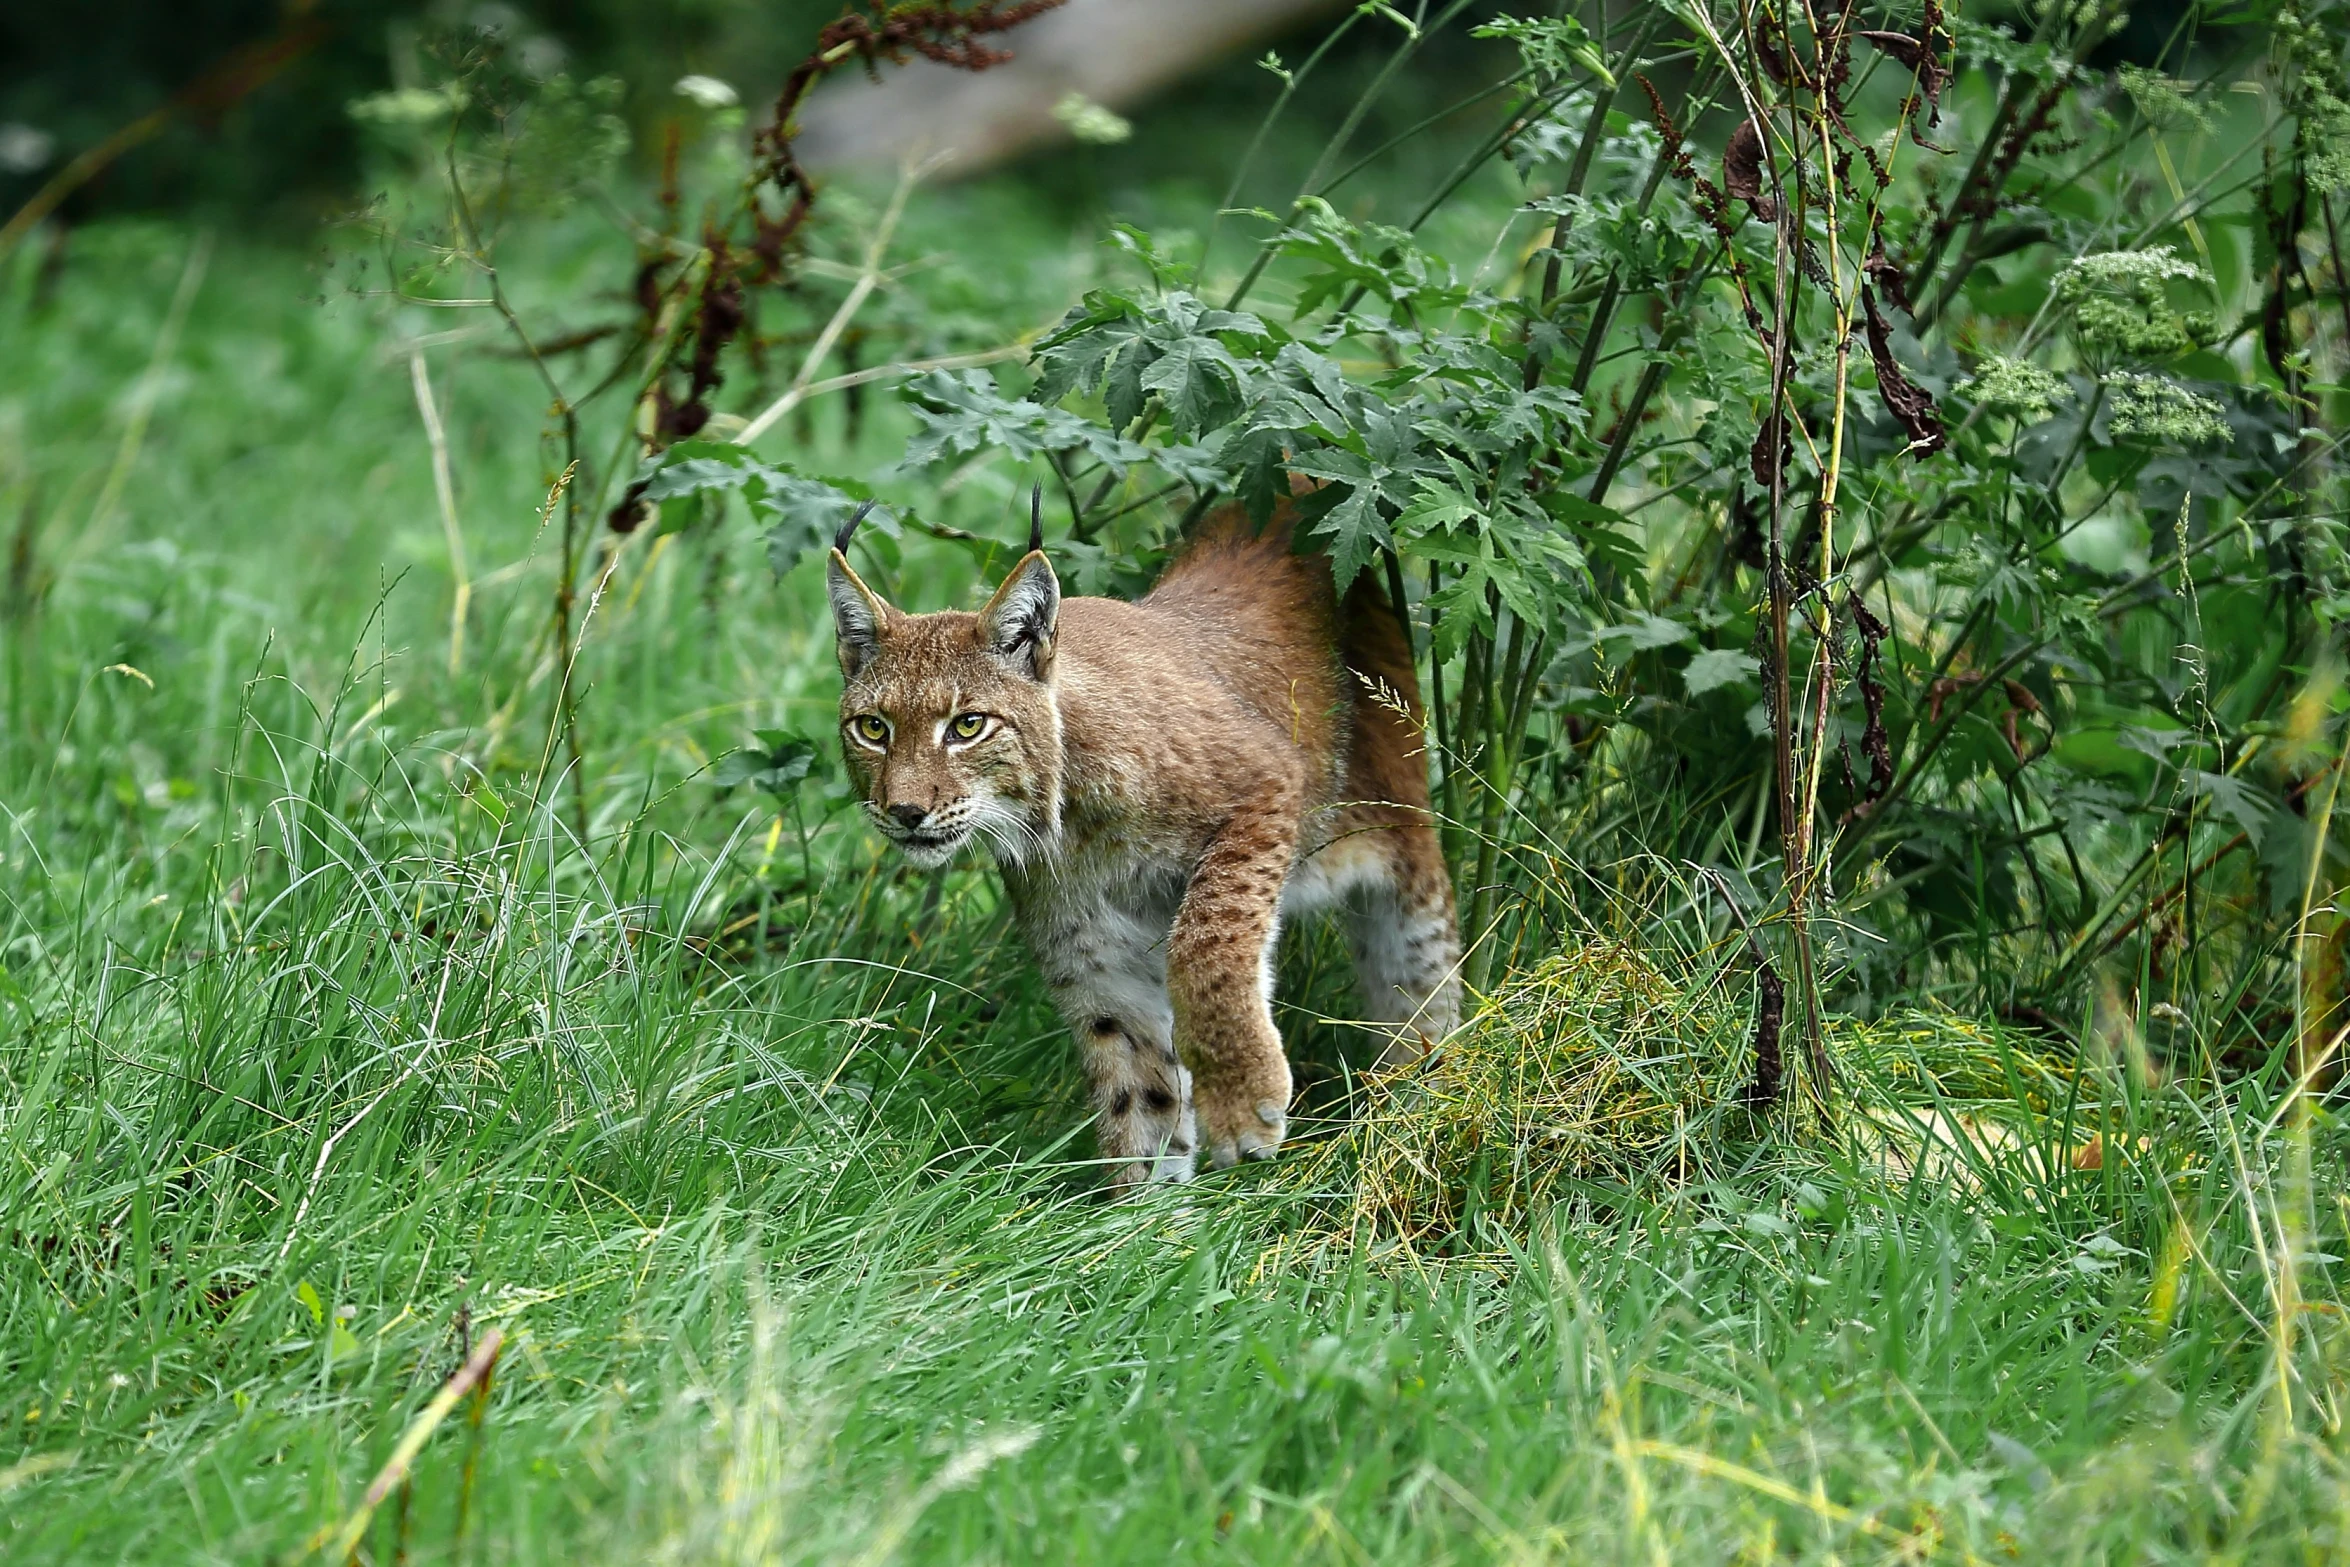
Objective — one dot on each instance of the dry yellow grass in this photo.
(1601, 1068)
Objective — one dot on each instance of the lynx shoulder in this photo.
(1161, 784)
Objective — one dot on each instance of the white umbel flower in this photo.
(708, 91)
(1092, 122)
(24, 148)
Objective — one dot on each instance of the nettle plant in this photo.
(1919, 510)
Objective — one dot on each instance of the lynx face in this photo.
(949, 721)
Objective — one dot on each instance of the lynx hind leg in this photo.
(1400, 918)
(1141, 1099)
(1406, 942)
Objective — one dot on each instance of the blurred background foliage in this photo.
(275, 141)
(284, 148)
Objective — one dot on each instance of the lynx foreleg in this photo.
(1219, 978)
(1141, 1094)
(1141, 1101)
(1106, 968)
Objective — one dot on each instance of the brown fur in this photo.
(1161, 782)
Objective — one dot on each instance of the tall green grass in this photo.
(328, 1044)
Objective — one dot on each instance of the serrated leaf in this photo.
(1355, 532)
(1196, 379)
(1605, 533)
(736, 767)
(1230, 321)
(1334, 463)
(1123, 393)
(1461, 607)
(1141, 244)
(1317, 370)
(1717, 667)
(1647, 631)
(2233, 796)
(1567, 507)
(1549, 46)
(1200, 467)
(1076, 353)
(676, 477)
(774, 766)
(800, 511)
(1436, 507)
(2157, 743)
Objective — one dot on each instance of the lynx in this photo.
(1161, 783)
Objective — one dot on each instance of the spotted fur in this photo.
(1162, 783)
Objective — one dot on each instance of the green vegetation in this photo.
(431, 910)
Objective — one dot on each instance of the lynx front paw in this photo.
(1238, 1129)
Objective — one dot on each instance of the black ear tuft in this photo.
(840, 540)
(1020, 621)
(1036, 519)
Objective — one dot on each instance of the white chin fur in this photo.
(930, 856)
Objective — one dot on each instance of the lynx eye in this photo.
(868, 728)
(967, 726)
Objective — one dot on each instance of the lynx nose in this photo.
(907, 815)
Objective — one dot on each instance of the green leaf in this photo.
(1075, 355)
(1717, 667)
(1436, 507)
(1197, 380)
(1606, 534)
(1230, 321)
(1317, 370)
(1550, 46)
(1334, 463)
(1356, 533)
(1645, 632)
(1573, 510)
(802, 512)
(775, 766)
(959, 413)
(1461, 606)
(2233, 796)
(1165, 270)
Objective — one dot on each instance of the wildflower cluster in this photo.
(2017, 388)
(2158, 410)
(2120, 304)
(2318, 91)
(2163, 101)
(1088, 121)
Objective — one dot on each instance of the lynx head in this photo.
(949, 721)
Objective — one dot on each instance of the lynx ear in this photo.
(1019, 622)
(858, 615)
